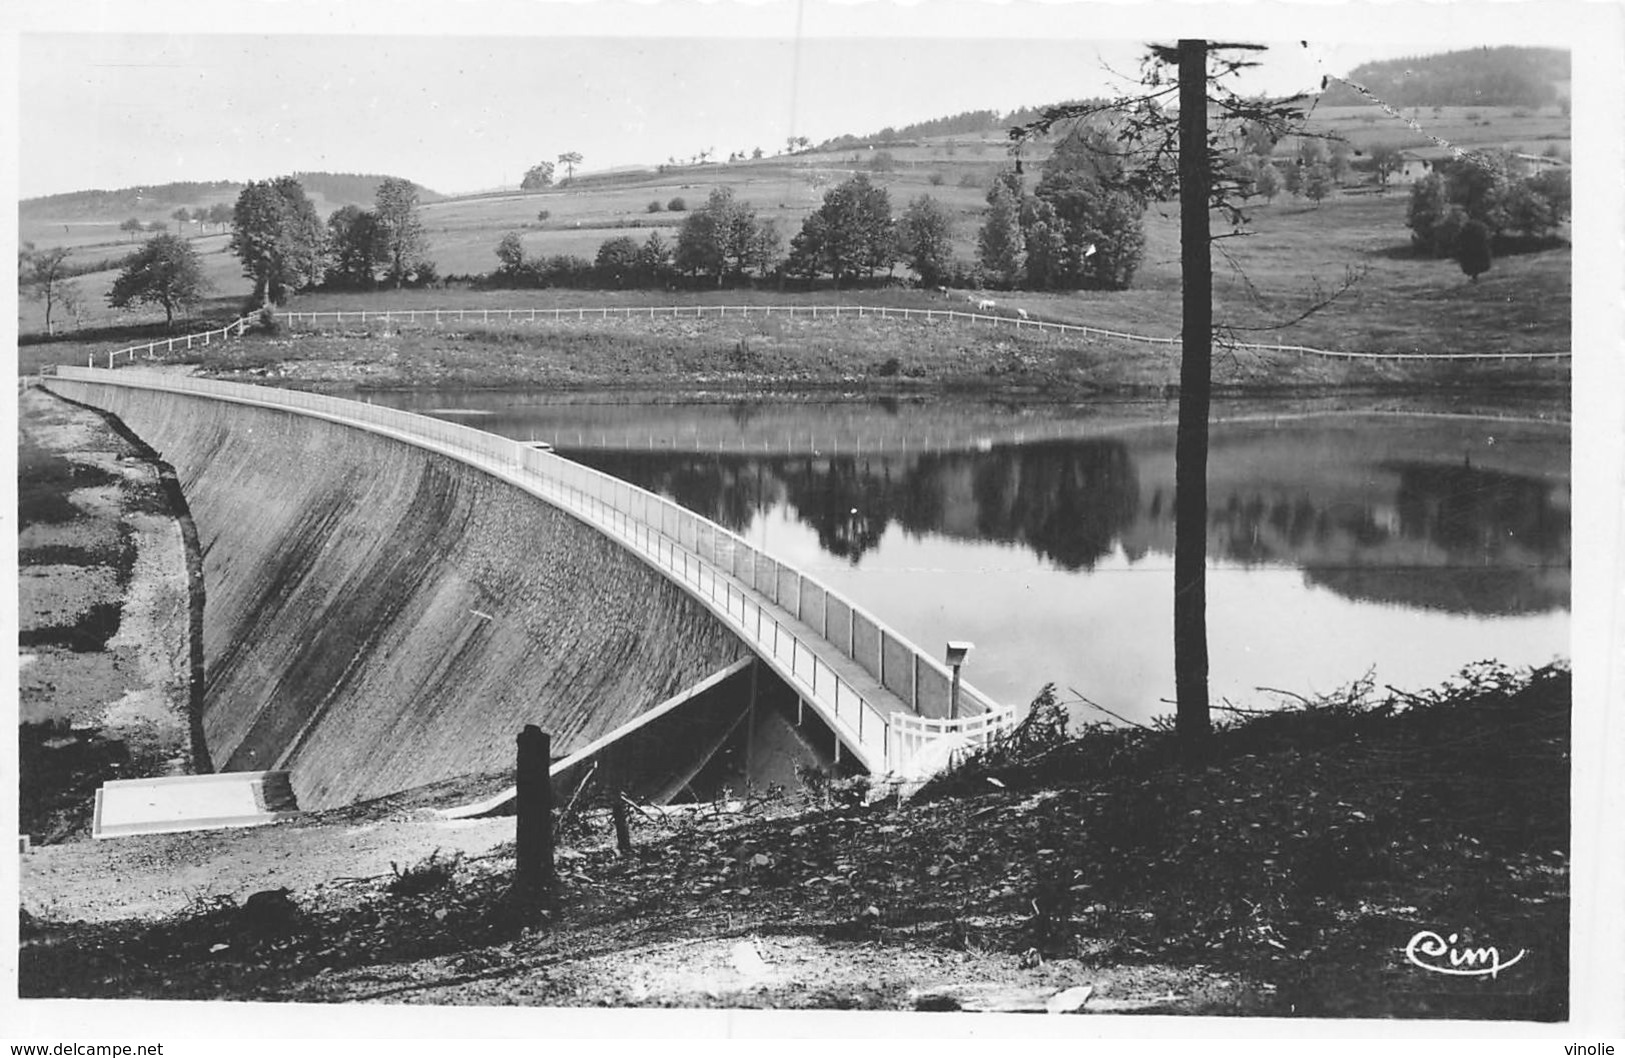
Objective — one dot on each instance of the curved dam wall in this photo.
(379, 616)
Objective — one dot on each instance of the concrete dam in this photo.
(385, 607)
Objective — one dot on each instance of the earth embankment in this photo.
(378, 616)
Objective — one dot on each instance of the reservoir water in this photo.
(1343, 541)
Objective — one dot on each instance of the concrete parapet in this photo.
(379, 616)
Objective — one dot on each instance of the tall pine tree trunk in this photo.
(1191, 719)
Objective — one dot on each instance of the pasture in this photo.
(1296, 253)
(222, 268)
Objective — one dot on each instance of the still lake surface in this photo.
(1342, 540)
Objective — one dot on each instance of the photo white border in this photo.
(1595, 32)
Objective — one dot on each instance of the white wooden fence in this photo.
(438, 317)
(169, 345)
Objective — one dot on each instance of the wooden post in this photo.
(533, 857)
(623, 832)
(750, 717)
(1192, 721)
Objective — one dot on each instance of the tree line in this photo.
(283, 246)
(1071, 231)
(1482, 77)
(965, 123)
(1487, 202)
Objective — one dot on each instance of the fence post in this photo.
(623, 832)
(533, 854)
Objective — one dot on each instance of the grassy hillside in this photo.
(88, 221)
(1400, 302)
(954, 169)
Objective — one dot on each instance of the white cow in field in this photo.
(985, 305)
(1023, 314)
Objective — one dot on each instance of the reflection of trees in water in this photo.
(1068, 501)
(729, 490)
(1485, 590)
(1424, 544)
(1474, 517)
(1254, 529)
(847, 500)
(1467, 514)
(1452, 538)
(742, 412)
(1478, 512)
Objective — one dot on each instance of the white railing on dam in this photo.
(859, 675)
(1018, 322)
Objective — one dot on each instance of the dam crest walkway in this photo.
(888, 703)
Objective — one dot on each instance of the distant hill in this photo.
(1506, 76)
(329, 191)
(125, 202)
(1486, 77)
(344, 189)
(968, 123)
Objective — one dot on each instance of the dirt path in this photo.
(157, 875)
(103, 610)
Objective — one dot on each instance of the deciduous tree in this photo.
(806, 260)
(1318, 182)
(1386, 160)
(165, 271)
(925, 238)
(355, 248)
(1097, 219)
(278, 236)
(511, 252)
(537, 177)
(400, 228)
(1426, 210)
(998, 243)
(42, 275)
(766, 245)
(654, 258)
(570, 159)
(854, 233)
(1046, 256)
(617, 260)
(1267, 180)
(1473, 249)
(723, 238)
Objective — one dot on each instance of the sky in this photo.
(464, 96)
